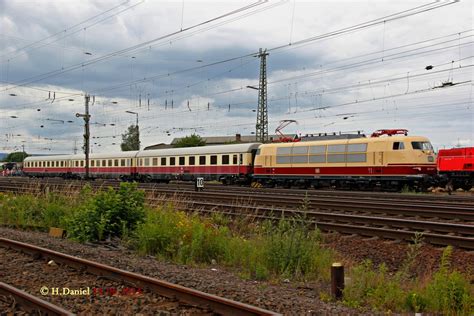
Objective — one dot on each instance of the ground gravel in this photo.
(289, 298)
(84, 293)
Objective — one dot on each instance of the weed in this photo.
(107, 214)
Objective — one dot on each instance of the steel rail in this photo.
(186, 295)
(289, 200)
(446, 199)
(325, 223)
(32, 303)
(376, 206)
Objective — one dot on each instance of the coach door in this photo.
(133, 168)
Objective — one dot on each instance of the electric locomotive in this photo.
(388, 159)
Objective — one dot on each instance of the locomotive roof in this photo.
(218, 149)
(395, 138)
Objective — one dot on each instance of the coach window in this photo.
(192, 160)
(104, 163)
(213, 160)
(337, 158)
(147, 162)
(163, 161)
(234, 159)
(181, 161)
(357, 148)
(283, 159)
(336, 148)
(299, 159)
(202, 160)
(300, 150)
(225, 159)
(155, 162)
(82, 163)
(172, 161)
(317, 158)
(122, 162)
(76, 163)
(92, 163)
(116, 163)
(398, 146)
(317, 149)
(241, 159)
(356, 157)
(109, 163)
(283, 151)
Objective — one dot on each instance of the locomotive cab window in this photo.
(213, 160)
(225, 159)
(398, 146)
(421, 146)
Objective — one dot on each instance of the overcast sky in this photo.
(183, 76)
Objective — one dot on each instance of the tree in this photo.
(16, 156)
(190, 141)
(131, 139)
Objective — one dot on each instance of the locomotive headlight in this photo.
(430, 159)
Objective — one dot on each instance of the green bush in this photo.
(110, 213)
(373, 287)
(449, 291)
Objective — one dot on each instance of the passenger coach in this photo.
(226, 163)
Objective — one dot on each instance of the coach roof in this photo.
(201, 150)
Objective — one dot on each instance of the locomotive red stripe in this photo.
(348, 171)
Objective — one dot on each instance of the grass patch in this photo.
(288, 249)
(447, 291)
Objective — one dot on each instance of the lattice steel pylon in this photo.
(261, 131)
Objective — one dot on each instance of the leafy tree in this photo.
(190, 141)
(16, 156)
(131, 139)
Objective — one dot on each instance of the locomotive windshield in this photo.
(422, 145)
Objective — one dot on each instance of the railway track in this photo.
(446, 222)
(213, 187)
(27, 303)
(190, 301)
(393, 205)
